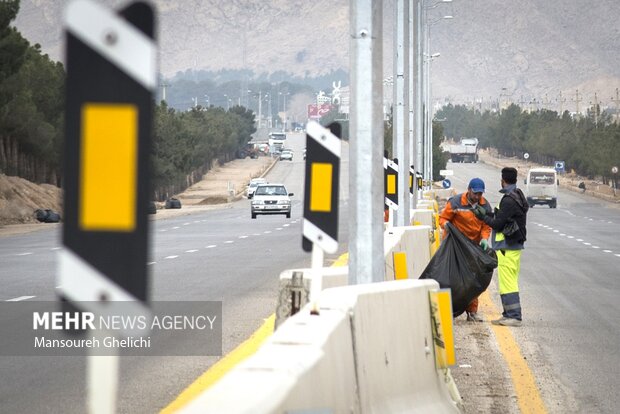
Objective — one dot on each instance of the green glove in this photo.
(484, 244)
(479, 212)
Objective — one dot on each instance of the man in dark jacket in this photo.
(508, 239)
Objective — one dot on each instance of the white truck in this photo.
(277, 141)
(542, 187)
(465, 151)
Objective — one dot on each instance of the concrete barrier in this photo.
(369, 351)
(415, 241)
(428, 218)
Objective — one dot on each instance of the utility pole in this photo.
(595, 109)
(577, 100)
(366, 255)
(561, 103)
(164, 85)
(400, 143)
(617, 102)
(260, 107)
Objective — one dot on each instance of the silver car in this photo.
(254, 182)
(271, 199)
(286, 155)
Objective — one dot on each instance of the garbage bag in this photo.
(47, 216)
(461, 265)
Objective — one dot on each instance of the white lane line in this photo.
(151, 263)
(211, 246)
(591, 219)
(186, 224)
(571, 237)
(556, 231)
(229, 241)
(587, 244)
(279, 228)
(163, 231)
(196, 221)
(171, 257)
(285, 225)
(607, 251)
(243, 237)
(562, 234)
(56, 248)
(617, 255)
(267, 231)
(20, 298)
(23, 254)
(595, 247)
(176, 227)
(191, 251)
(579, 240)
(59, 287)
(610, 222)
(256, 234)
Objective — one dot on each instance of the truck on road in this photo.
(465, 151)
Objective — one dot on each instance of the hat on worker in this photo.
(476, 185)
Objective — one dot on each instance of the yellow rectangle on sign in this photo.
(391, 184)
(410, 181)
(400, 265)
(108, 167)
(321, 187)
(443, 333)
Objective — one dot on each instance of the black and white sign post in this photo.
(390, 181)
(321, 196)
(111, 61)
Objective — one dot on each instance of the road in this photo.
(569, 292)
(220, 255)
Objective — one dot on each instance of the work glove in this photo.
(479, 212)
(484, 244)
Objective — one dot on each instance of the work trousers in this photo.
(508, 268)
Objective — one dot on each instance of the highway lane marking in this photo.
(151, 263)
(617, 255)
(528, 394)
(229, 241)
(595, 247)
(186, 224)
(243, 237)
(19, 299)
(267, 231)
(606, 251)
(587, 244)
(279, 228)
(211, 246)
(23, 254)
(579, 240)
(223, 366)
(256, 234)
(171, 257)
(191, 251)
(56, 248)
(176, 227)
(285, 225)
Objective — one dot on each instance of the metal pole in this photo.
(420, 90)
(400, 141)
(413, 92)
(366, 260)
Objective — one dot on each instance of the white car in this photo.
(271, 199)
(254, 182)
(286, 155)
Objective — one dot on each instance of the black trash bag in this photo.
(47, 216)
(461, 265)
(173, 203)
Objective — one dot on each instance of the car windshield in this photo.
(541, 178)
(271, 190)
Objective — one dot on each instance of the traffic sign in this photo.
(559, 166)
(321, 193)
(390, 181)
(526, 155)
(412, 179)
(111, 78)
(614, 170)
(446, 183)
(446, 173)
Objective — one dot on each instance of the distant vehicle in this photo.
(542, 187)
(277, 140)
(254, 182)
(271, 199)
(465, 151)
(286, 154)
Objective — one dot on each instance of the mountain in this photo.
(522, 50)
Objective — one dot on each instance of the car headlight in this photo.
(284, 202)
(257, 202)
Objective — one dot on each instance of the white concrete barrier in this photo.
(369, 351)
(415, 242)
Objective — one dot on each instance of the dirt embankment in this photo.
(19, 198)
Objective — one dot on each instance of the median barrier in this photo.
(370, 350)
(428, 218)
(414, 241)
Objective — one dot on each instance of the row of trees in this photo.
(187, 143)
(588, 144)
(31, 105)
